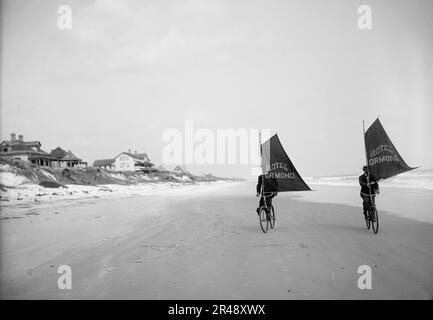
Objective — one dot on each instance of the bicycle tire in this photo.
(375, 221)
(272, 217)
(367, 220)
(263, 219)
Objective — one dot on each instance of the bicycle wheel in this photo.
(367, 220)
(272, 217)
(263, 219)
(375, 220)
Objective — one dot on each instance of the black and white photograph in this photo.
(216, 150)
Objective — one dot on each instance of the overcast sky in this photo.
(128, 70)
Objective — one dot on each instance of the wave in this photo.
(413, 179)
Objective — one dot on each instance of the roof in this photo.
(143, 156)
(30, 153)
(58, 152)
(138, 156)
(61, 154)
(70, 156)
(26, 143)
(20, 147)
(103, 162)
(23, 148)
(41, 154)
(180, 169)
(161, 168)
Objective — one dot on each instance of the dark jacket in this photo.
(363, 183)
(269, 184)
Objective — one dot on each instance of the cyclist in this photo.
(268, 184)
(369, 187)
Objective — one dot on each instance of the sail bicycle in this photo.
(382, 161)
(278, 175)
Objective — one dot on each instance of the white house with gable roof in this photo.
(127, 161)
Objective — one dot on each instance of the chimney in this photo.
(13, 137)
(135, 151)
(21, 137)
(129, 150)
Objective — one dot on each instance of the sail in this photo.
(279, 171)
(384, 161)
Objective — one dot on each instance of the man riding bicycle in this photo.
(369, 189)
(268, 184)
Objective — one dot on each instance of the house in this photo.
(180, 169)
(31, 151)
(66, 159)
(104, 164)
(127, 161)
(25, 150)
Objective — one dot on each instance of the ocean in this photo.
(418, 178)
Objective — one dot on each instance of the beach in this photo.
(205, 242)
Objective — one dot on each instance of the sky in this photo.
(128, 71)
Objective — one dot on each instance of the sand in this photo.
(206, 243)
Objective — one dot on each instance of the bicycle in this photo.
(372, 217)
(266, 216)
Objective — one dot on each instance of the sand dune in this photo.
(207, 244)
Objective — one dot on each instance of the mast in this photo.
(366, 159)
(260, 148)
